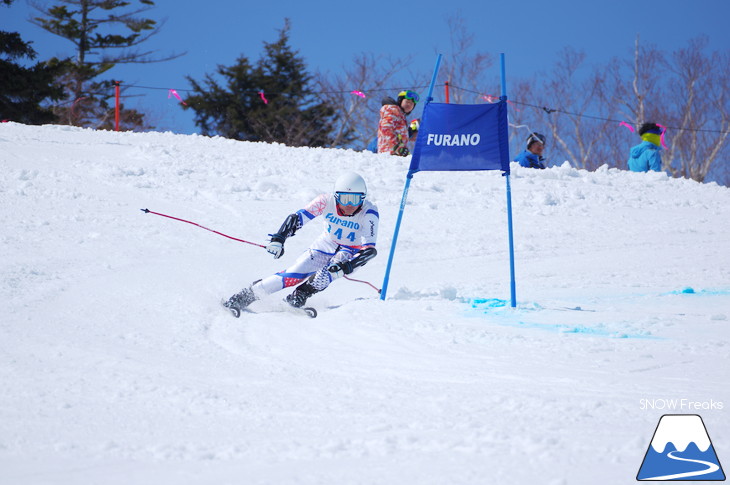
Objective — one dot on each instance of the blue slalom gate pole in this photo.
(429, 97)
(512, 283)
(403, 201)
(404, 198)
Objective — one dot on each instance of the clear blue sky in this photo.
(328, 34)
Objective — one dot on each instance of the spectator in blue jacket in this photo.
(532, 156)
(645, 156)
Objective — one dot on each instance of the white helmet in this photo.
(350, 189)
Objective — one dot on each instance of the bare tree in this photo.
(370, 75)
(721, 107)
(581, 108)
(700, 116)
(463, 68)
(577, 137)
(686, 91)
(632, 102)
(523, 118)
(376, 77)
(639, 101)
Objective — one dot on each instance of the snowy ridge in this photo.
(118, 365)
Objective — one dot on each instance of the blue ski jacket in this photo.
(644, 157)
(373, 145)
(530, 160)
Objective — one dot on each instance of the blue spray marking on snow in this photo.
(495, 305)
(488, 303)
(578, 329)
(691, 291)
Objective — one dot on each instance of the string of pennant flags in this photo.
(489, 98)
(598, 118)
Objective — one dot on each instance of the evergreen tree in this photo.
(90, 26)
(292, 115)
(23, 89)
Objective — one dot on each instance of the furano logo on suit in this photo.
(679, 404)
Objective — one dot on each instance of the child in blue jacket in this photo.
(532, 156)
(645, 156)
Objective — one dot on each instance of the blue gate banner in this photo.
(462, 137)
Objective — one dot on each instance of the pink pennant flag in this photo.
(664, 130)
(358, 93)
(489, 98)
(172, 92)
(73, 106)
(263, 98)
(623, 123)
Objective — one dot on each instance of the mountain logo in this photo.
(680, 450)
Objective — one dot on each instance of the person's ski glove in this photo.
(276, 246)
(401, 151)
(401, 147)
(338, 270)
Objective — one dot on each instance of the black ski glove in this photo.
(401, 151)
(340, 269)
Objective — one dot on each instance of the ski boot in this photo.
(239, 301)
(300, 295)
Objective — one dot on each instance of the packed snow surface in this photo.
(119, 366)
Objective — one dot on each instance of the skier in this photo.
(393, 132)
(646, 155)
(348, 242)
(532, 157)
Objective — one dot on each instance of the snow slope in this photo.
(118, 366)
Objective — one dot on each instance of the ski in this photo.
(308, 311)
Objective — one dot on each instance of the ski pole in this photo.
(362, 281)
(147, 211)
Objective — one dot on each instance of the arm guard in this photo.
(363, 257)
(287, 229)
(360, 259)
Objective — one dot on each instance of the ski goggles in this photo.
(412, 95)
(349, 198)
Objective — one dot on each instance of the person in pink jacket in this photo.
(393, 125)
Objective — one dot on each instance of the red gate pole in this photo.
(116, 104)
(446, 88)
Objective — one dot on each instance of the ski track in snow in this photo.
(119, 366)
